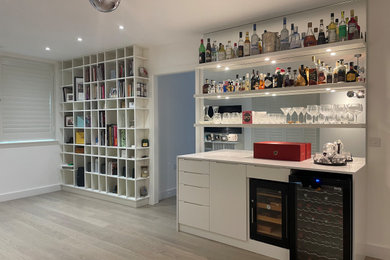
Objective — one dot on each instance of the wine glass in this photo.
(217, 118)
(313, 111)
(355, 109)
(326, 110)
(291, 112)
(215, 110)
(339, 110)
(206, 113)
(286, 111)
(304, 112)
(298, 110)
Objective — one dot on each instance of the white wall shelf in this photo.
(284, 125)
(132, 121)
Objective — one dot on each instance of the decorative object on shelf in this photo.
(68, 121)
(105, 6)
(79, 149)
(69, 97)
(123, 153)
(79, 137)
(145, 143)
(333, 154)
(247, 117)
(144, 171)
(66, 91)
(143, 191)
(79, 121)
(80, 177)
(232, 137)
(143, 72)
(78, 89)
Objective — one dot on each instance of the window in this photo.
(26, 95)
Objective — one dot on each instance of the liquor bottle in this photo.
(287, 78)
(316, 33)
(254, 42)
(295, 79)
(302, 77)
(253, 80)
(229, 51)
(257, 81)
(284, 37)
(357, 31)
(342, 28)
(335, 72)
(237, 84)
(352, 26)
(322, 72)
(303, 39)
(332, 34)
(208, 51)
(329, 78)
(341, 72)
(279, 78)
(321, 35)
(352, 74)
(247, 45)
(240, 46)
(309, 39)
(261, 81)
(206, 87)
(212, 87)
(221, 52)
(360, 69)
(202, 52)
(268, 81)
(313, 73)
(214, 51)
(337, 29)
(235, 50)
(242, 83)
(295, 38)
(247, 82)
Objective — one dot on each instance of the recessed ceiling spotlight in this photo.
(273, 62)
(227, 68)
(79, 39)
(47, 49)
(328, 50)
(121, 27)
(333, 54)
(218, 66)
(267, 59)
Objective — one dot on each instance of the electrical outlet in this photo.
(374, 142)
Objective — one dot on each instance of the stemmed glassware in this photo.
(327, 111)
(355, 109)
(298, 110)
(286, 112)
(313, 111)
(206, 113)
(340, 113)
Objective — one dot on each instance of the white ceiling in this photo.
(28, 26)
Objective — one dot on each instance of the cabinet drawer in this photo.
(194, 215)
(194, 195)
(268, 173)
(194, 166)
(194, 179)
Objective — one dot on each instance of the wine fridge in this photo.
(321, 216)
(268, 212)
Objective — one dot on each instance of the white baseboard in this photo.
(167, 193)
(378, 251)
(29, 193)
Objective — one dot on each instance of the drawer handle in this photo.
(194, 204)
(194, 186)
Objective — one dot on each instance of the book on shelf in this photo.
(130, 72)
(100, 72)
(112, 136)
(79, 137)
(102, 119)
(87, 92)
(121, 88)
(94, 92)
(79, 121)
(112, 168)
(122, 136)
(94, 73)
(102, 138)
(129, 90)
(96, 165)
(65, 92)
(121, 73)
(87, 121)
(87, 73)
(79, 149)
(78, 89)
(102, 91)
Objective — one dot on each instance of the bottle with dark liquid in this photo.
(240, 52)
(206, 87)
(321, 35)
(208, 51)
(268, 81)
(335, 72)
(202, 52)
(329, 78)
(352, 74)
(310, 39)
(257, 81)
(253, 80)
(341, 72)
(313, 73)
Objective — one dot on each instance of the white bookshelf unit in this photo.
(108, 103)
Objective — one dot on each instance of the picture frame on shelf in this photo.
(69, 121)
(66, 91)
(69, 97)
(78, 89)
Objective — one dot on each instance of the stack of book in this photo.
(112, 168)
(112, 135)
(100, 72)
(102, 91)
(121, 88)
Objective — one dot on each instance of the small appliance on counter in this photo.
(333, 154)
(285, 151)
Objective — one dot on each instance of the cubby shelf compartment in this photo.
(284, 125)
(287, 91)
(121, 65)
(286, 56)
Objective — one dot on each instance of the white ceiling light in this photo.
(47, 49)
(121, 27)
(105, 6)
(266, 59)
(273, 62)
(79, 39)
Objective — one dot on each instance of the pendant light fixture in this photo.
(105, 6)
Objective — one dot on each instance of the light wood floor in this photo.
(63, 225)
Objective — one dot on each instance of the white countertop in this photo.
(246, 157)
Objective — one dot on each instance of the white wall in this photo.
(176, 133)
(378, 119)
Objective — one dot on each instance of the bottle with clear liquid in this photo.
(342, 28)
(240, 46)
(208, 51)
(247, 82)
(295, 39)
(214, 51)
(229, 51)
(284, 37)
(221, 53)
(309, 39)
(322, 72)
(254, 42)
(337, 29)
(247, 45)
(235, 50)
(332, 30)
(321, 35)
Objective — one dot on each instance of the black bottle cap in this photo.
(240, 34)
(268, 74)
(208, 39)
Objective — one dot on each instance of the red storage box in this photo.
(285, 151)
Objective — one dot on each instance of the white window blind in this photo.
(26, 93)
